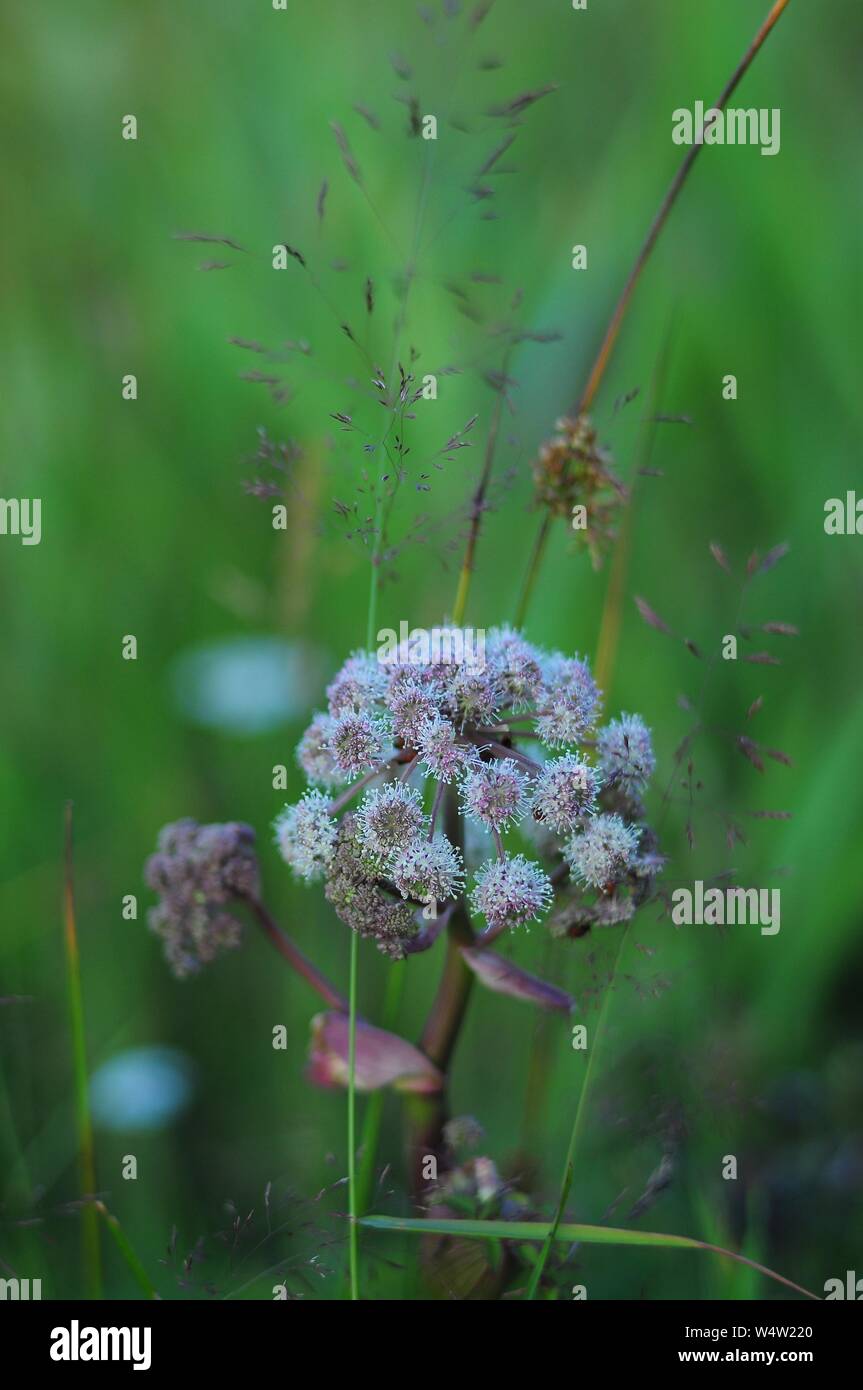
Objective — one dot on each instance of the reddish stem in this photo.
(295, 957)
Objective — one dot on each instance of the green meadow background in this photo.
(717, 1043)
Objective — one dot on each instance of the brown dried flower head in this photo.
(572, 469)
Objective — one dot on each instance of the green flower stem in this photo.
(91, 1252)
(353, 1229)
(569, 1162)
(375, 1105)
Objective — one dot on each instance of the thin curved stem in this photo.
(478, 505)
(353, 1229)
(606, 347)
(604, 354)
(295, 957)
(568, 1166)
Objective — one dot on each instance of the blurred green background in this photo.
(717, 1043)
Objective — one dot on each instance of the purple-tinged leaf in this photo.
(719, 556)
(504, 977)
(382, 1059)
(781, 629)
(763, 659)
(771, 815)
(755, 706)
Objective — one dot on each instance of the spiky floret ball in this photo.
(429, 870)
(388, 819)
(198, 871)
(306, 835)
(356, 742)
(571, 700)
(495, 794)
(441, 754)
(358, 685)
(314, 755)
(568, 681)
(511, 891)
(516, 666)
(475, 694)
(626, 752)
(604, 851)
(565, 790)
(410, 673)
(412, 704)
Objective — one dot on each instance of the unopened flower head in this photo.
(197, 871)
(358, 685)
(604, 851)
(626, 752)
(429, 870)
(440, 752)
(314, 755)
(511, 891)
(565, 790)
(463, 1132)
(356, 742)
(306, 835)
(388, 819)
(495, 793)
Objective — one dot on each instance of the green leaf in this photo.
(566, 1231)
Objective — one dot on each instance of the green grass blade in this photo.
(567, 1231)
(123, 1244)
(353, 1230)
(373, 1118)
(86, 1149)
(569, 1162)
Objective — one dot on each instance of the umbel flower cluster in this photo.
(417, 763)
(198, 872)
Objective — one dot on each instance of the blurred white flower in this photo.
(141, 1088)
(247, 685)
